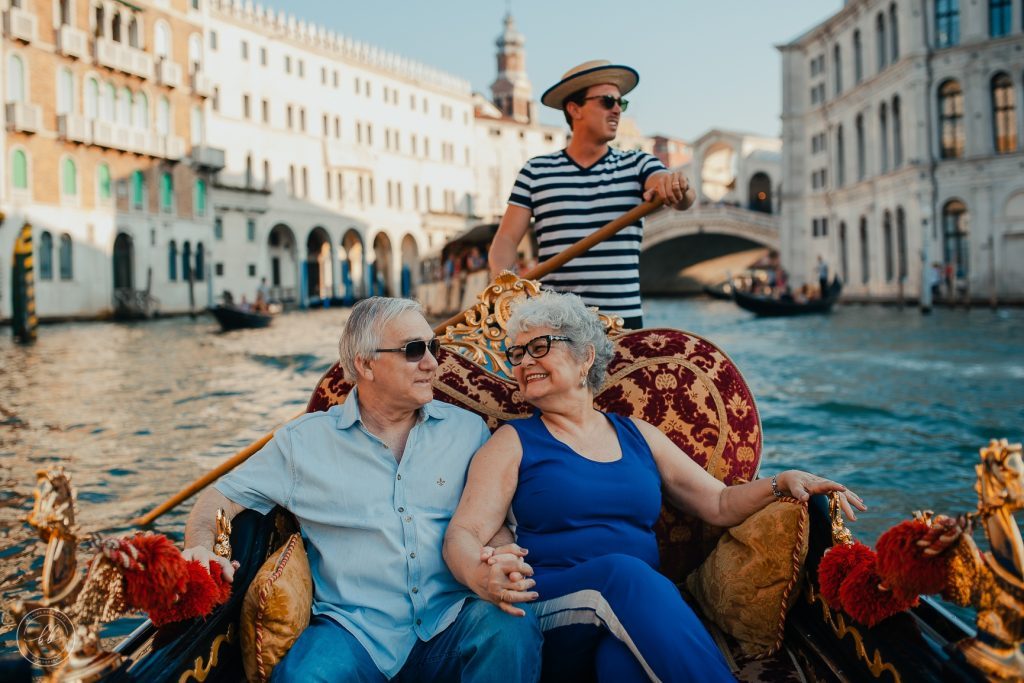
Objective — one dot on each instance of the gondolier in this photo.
(571, 193)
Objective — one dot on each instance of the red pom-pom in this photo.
(156, 574)
(904, 566)
(863, 598)
(205, 589)
(836, 565)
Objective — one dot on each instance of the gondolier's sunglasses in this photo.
(537, 347)
(609, 101)
(415, 350)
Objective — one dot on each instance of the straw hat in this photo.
(590, 73)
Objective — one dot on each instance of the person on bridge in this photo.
(573, 192)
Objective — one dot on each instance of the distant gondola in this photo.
(233, 318)
(722, 290)
(774, 307)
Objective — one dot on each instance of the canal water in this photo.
(890, 402)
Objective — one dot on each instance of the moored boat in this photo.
(234, 318)
(771, 306)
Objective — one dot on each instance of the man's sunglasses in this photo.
(609, 101)
(537, 347)
(415, 350)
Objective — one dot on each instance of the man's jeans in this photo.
(482, 644)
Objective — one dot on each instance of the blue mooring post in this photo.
(346, 279)
(23, 289)
(406, 281)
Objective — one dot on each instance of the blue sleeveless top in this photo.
(568, 509)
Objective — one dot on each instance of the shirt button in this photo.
(419, 622)
(401, 509)
(413, 554)
(415, 589)
(399, 477)
(408, 518)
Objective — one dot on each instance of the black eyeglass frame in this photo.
(415, 355)
(525, 348)
(609, 101)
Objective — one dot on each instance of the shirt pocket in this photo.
(437, 490)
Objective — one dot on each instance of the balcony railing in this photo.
(108, 53)
(71, 42)
(73, 128)
(139, 142)
(202, 85)
(174, 147)
(103, 134)
(208, 157)
(169, 73)
(136, 61)
(123, 138)
(24, 117)
(20, 24)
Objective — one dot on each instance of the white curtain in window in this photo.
(15, 79)
(195, 53)
(141, 107)
(162, 42)
(65, 92)
(92, 98)
(197, 126)
(163, 117)
(124, 108)
(107, 103)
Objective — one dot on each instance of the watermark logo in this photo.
(46, 636)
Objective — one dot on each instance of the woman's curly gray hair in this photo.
(567, 314)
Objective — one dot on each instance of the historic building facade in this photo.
(98, 103)
(901, 155)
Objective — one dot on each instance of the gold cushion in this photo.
(276, 609)
(750, 580)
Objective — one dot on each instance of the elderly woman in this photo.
(582, 491)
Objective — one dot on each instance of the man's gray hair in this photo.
(569, 316)
(365, 327)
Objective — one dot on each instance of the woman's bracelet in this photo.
(775, 486)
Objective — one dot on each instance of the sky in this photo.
(702, 65)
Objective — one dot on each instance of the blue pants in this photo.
(481, 644)
(617, 618)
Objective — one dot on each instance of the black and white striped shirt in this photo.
(569, 202)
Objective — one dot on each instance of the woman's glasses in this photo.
(537, 347)
(609, 101)
(415, 350)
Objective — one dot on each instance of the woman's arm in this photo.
(490, 485)
(696, 492)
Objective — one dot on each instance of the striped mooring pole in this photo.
(23, 289)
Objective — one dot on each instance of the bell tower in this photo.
(511, 90)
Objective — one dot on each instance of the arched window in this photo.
(138, 190)
(99, 21)
(840, 158)
(186, 261)
(115, 27)
(887, 245)
(196, 126)
(200, 261)
(172, 261)
(15, 79)
(141, 111)
(195, 53)
(107, 110)
(166, 193)
(46, 256)
(163, 116)
(65, 12)
(883, 134)
(901, 242)
(837, 68)
(951, 120)
(954, 243)
(133, 33)
(92, 98)
(162, 40)
(103, 182)
(897, 133)
(881, 41)
(1004, 114)
(894, 34)
(67, 267)
(947, 23)
(124, 108)
(65, 91)
(248, 170)
(1000, 13)
(69, 178)
(19, 170)
(862, 157)
(865, 257)
(858, 58)
(200, 197)
(844, 262)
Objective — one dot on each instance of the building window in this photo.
(862, 161)
(287, 64)
(883, 135)
(858, 58)
(138, 190)
(213, 40)
(69, 178)
(999, 17)
(218, 229)
(167, 193)
(172, 261)
(894, 34)
(103, 182)
(218, 269)
(245, 51)
(266, 111)
(215, 100)
(880, 40)
(865, 257)
(844, 263)
(15, 79)
(92, 98)
(19, 170)
(1004, 114)
(305, 181)
(200, 262)
(250, 229)
(186, 262)
(901, 243)
(266, 174)
(245, 107)
(291, 179)
(302, 68)
(947, 23)
(65, 92)
(897, 134)
(252, 270)
(954, 229)
(887, 245)
(46, 256)
(67, 268)
(951, 120)
(837, 68)
(200, 197)
(263, 56)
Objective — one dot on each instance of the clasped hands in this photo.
(504, 578)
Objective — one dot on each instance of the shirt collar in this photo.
(348, 412)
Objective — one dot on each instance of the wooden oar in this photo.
(539, 271)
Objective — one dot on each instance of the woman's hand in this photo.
(802, 485)
(504, 578)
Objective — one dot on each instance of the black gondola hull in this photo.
(231, 318)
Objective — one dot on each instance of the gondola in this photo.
(693, 391)
(768, 306)
(722, 290)
(234, 318)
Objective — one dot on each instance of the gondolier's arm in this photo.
(201, 529)
(514, 225)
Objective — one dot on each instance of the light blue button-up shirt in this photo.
(373, 527)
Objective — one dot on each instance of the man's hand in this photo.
(206, 557)
(672, 188)
(503, 578)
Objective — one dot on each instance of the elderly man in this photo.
(573, 192)
(373, 483)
